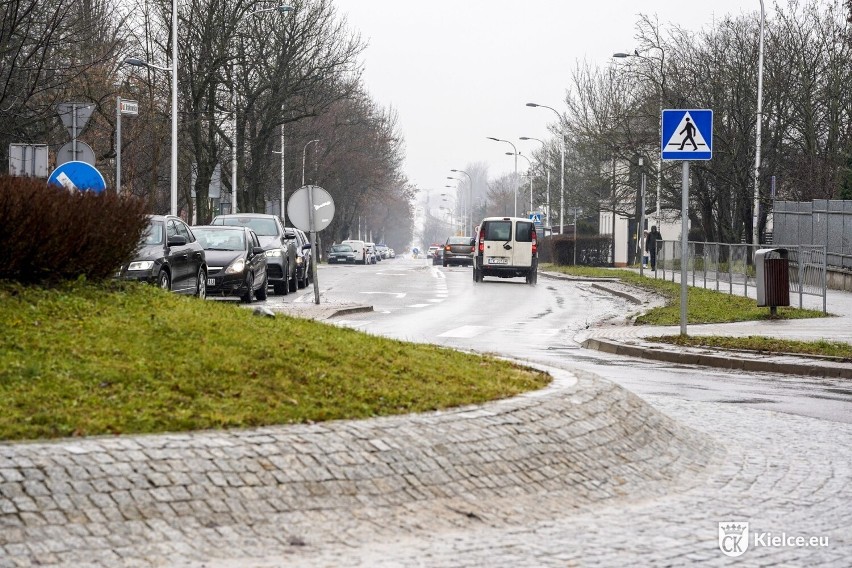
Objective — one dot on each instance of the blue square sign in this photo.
(687, 134)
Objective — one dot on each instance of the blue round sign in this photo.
(78, 176)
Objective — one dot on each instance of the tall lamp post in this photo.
(304, 155)
(529, 175)
(515, 188)
(562, 175)
(469, 199)
(136, 62)
(661, 91)
(547, 169)
(759, 120)
(459, 204)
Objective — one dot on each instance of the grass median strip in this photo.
(86, 359)
(703, 306)
(769, 345)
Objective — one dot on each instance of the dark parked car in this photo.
(169, 256)
(236, 263)
(303, 255)
(341, 254)
(280, 252)
(459, 250)
(438, 256)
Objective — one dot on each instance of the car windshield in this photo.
(220, 239)
(262, 227)
(153, 234)
(458, 241)
(341, 248)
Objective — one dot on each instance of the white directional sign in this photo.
(687, 134)
(129, 107)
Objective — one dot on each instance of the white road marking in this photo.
(418, 305)
(437, 300)
(466, 331)
(397, 294)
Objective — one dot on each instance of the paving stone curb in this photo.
(725, 361)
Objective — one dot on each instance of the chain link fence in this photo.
(730, 267)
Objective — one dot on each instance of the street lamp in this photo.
(469, 217)
(562, 176)
(759, 120)
(529, 175)
(304, 154)
(661, 85)
(136, 62)
(516, 170)
(547, 168)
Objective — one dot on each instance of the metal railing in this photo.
(722, 266)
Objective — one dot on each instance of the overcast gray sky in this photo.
(458, 71)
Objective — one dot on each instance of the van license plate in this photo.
(498, 260)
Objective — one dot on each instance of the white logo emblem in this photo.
(733, 538)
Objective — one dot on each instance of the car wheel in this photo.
(477, 275)
(249, 295)
(532, 277)
(445, 264)
(293, 283)
(164, 280)
(261, 293)
(279, 288)
(201, 284)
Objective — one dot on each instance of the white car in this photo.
(506, 247)
(360, 250)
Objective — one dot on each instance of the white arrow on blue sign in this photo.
(78, 176)
(687, 134)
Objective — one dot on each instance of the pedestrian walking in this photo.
(651, 241)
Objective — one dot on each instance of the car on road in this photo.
(303, 256)
(359, 248)
(458, 250)
(170, 257)
(430, 252)
(280, 252)
(341, 254)
(438, 257)
(506, 247)
(372, 255)
(236, 263)
(383, 250)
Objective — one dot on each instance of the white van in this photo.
(506, 247)
(360, 250)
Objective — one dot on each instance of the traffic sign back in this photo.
(687, 134)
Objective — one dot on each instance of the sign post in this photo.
(687, 134)
(311, 208)
(130, 108)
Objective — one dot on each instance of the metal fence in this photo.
(730, 267)
(821, 222)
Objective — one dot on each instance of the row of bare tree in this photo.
(253, 81)
(612, 113)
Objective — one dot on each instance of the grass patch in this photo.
(703, 306)
(760, 344)
(83, 359)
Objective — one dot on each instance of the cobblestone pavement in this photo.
(301, 490)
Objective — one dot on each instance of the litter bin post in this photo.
(772, 271)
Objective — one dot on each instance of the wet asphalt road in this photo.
(416, 301)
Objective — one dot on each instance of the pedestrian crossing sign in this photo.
(687, 134)
(535, 218)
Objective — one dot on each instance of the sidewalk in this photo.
(632, 341)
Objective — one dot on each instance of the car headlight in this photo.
(299, 260)
(141, 265)
(273, 252)
(236, 267)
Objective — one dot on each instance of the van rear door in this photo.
(523, 249)
(497, 238)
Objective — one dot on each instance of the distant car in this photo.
(391, 253)
(236, 262)
(383, 251)
(430, 253)
(338, 254)
(303, 255)
(169, 256)
(280, 252)
(438, 257)
(372, 256)
(458, 250)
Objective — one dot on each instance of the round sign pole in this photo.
(313, 233)
(311, 218)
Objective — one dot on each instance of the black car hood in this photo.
(149, 252)
(222, 257)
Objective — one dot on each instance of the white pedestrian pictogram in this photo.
(686, 137)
